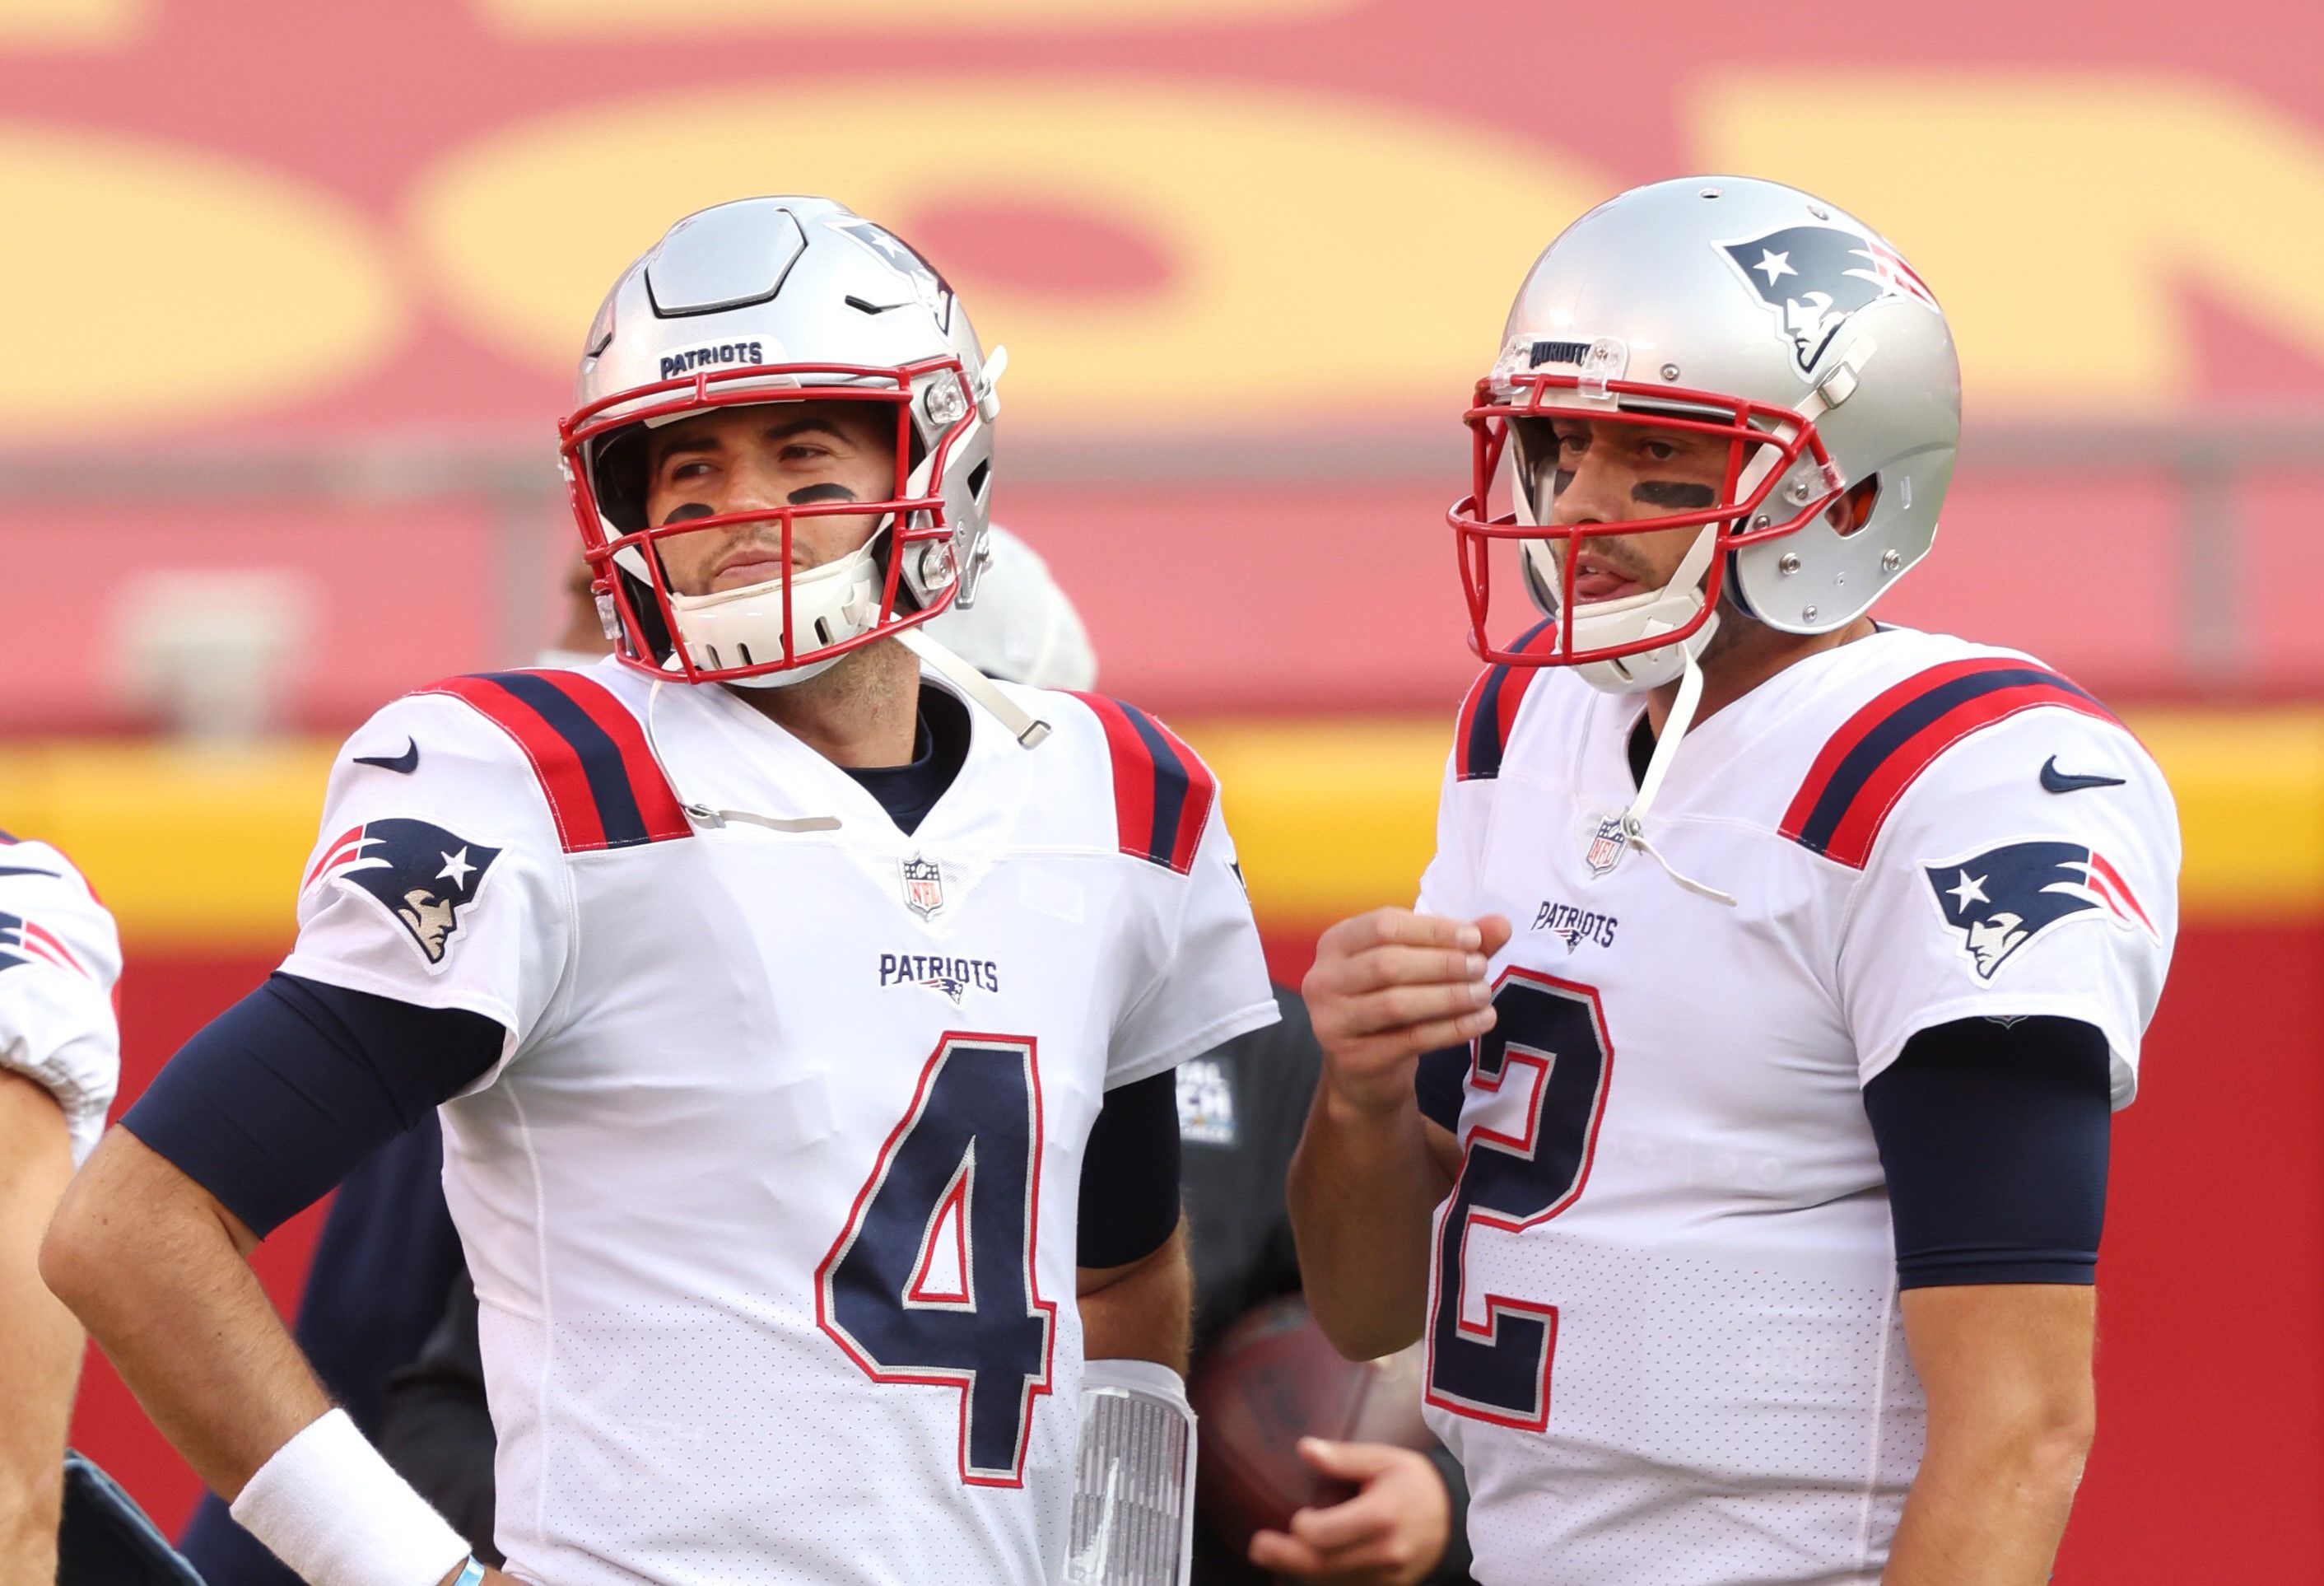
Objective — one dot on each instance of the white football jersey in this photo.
(771, 1200)
(1664, 1338)
(60, 956)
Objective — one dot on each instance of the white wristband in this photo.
(339, 1515)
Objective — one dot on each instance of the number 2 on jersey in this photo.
(1548, 1060)
(932, 1280)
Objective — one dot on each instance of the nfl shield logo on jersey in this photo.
(2005, 897)
(923, 886)
(1606, 846)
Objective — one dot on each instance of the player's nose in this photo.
(1599, 492)
(755, 484)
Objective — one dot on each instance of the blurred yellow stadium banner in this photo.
(72, 25)
(2063, 216)
(1320, 254)
(200, 851)
(1286, 270)
(203, 282)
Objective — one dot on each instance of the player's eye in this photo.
(1573, 442)
(1660, 451)
(805, 452)
(686, 470)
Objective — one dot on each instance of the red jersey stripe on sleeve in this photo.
(1880, 751)
(1162, 792)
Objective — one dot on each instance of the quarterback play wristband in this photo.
(330, 1507)
(1133, 1519)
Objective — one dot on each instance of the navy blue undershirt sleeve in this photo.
(1438, 1082)
(1994, 1141)
(1130, 1174)
(283, 1095)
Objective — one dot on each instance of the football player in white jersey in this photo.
(59, 1062)
(1776, 973)
(800, 1003)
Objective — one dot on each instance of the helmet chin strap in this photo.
(1634, 818)
(1027, 730)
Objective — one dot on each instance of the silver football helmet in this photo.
(782, 300)
(1745, 311)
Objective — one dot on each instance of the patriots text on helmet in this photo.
(686, 362)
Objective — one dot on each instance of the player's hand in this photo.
(1390, 1533)
(1390, 984)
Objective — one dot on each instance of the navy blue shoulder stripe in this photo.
(1162, 791)
(1884, 748)
(1489, 710)
(605, 787)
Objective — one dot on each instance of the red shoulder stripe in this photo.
(1879, 752)
(604, 788)
(1162, 791)
(1490, 711)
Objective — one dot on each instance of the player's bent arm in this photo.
(157, 1269)
(1386, 987)
(41, 1361)
(1141, 1310)
(2006, 1369)
(154, 1267)
(1993, 1138)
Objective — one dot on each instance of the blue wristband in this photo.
(472, 1573)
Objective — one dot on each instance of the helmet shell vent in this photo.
(725, 258)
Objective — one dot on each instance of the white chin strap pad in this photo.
(1601, 623)
(743, 627)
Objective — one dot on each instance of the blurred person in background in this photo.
(703, 1172)
(1733, 1113)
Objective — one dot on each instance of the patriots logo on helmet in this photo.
(1815, 278)
(420, 874)
(24, 941)
(928, 285)
(2005, 897)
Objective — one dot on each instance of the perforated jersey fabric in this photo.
(1664, 1337)
(771, 1202)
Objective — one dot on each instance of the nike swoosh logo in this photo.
(408, 762)
(2056, 781)
(24, 870)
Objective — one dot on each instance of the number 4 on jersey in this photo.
(1544, 1069)
(932, 1280)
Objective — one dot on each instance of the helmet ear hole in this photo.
(1853, 510)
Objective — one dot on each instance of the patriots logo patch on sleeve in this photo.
(420, 874)
(23, 941)
(2003, 897)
